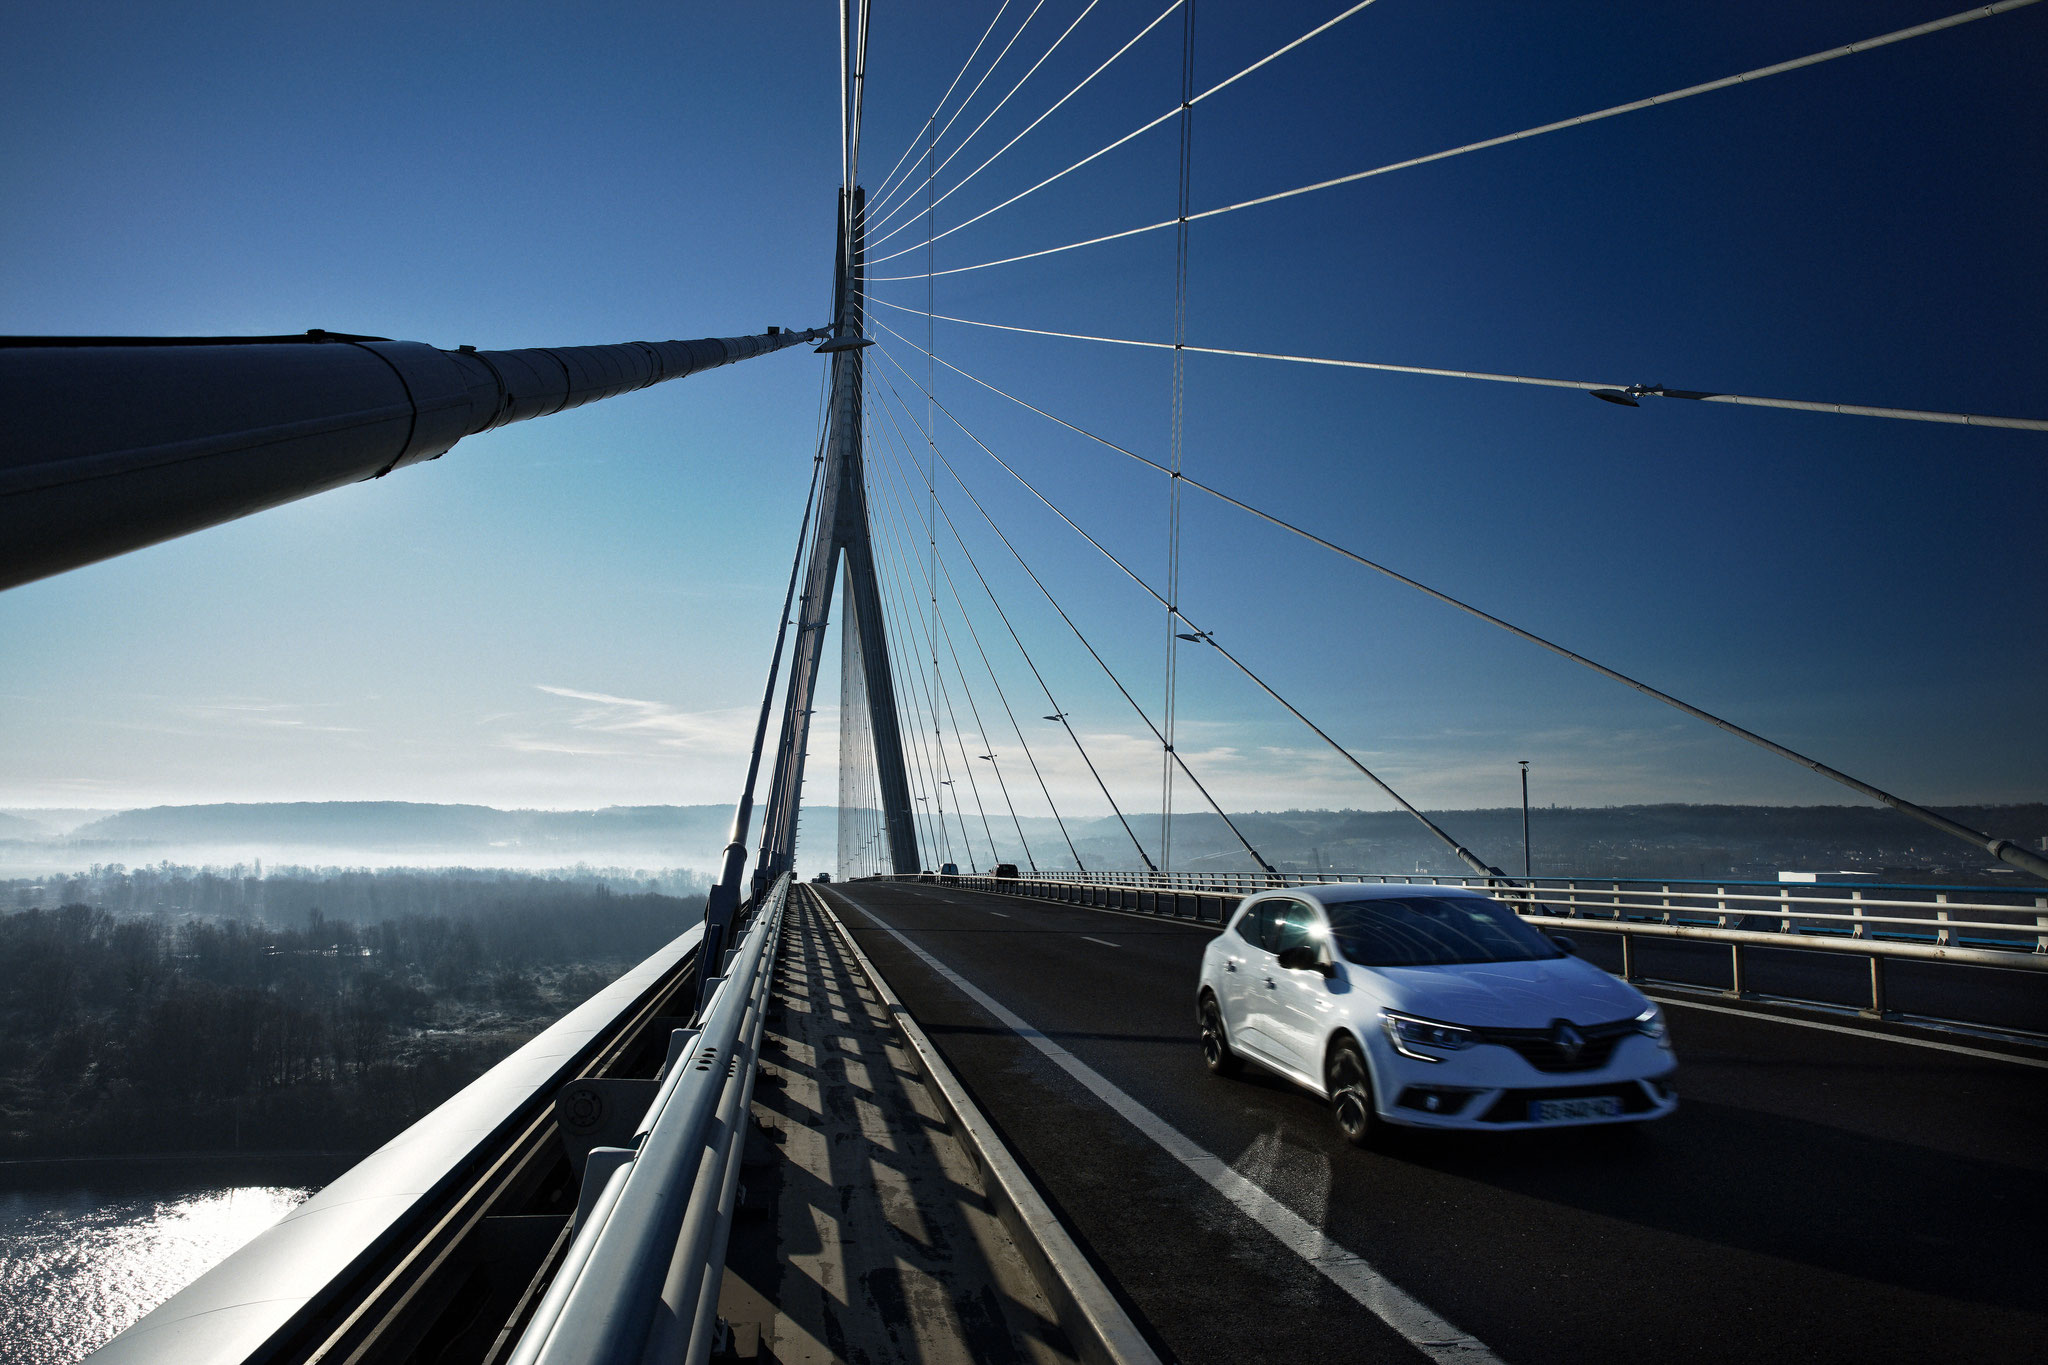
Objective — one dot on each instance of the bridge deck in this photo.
(1817, 1197)
(874, 1239)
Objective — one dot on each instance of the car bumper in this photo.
(1493, 1089)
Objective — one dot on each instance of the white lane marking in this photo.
(1103, 941)
(1350, 1272)
(998, 914)
(1872, 1034)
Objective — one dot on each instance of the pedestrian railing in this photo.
(1982, 926)
(640, 1278)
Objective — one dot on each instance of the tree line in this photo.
(323, 1024)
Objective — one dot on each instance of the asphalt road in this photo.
(1819, 1196)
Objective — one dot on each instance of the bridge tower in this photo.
(841, 528)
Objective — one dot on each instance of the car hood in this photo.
(1510, 994)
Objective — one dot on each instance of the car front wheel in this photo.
(1350, 1086)
(1216, 1053)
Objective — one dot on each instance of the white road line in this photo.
(999, 914)
(1350, 1272)
(1871, 1034)
(1103, 941)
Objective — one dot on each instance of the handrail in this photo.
(1824, 916)
(1798, 909)
(635, 1277)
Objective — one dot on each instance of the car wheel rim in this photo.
(1349, 1096)
(1212, 1036)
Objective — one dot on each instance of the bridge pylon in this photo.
(841, 529)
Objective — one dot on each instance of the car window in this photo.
(1285, 924)
(1248, 926)
(1423, 931)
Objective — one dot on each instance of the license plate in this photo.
(1590, 1107)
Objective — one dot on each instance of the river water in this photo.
(85, 1251)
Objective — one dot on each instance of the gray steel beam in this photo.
(114, 443)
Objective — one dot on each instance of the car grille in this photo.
(1539, 1046)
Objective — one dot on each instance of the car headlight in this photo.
(1650, 1023)
(1408, 1033)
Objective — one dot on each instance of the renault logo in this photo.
(1568, 1040)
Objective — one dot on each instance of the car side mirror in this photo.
(1564, 945)
(1303, 957)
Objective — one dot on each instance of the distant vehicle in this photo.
(1429, 1007)
(822, 877)
(1005, 870)
(948, 871)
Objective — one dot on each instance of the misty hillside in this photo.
(1676, 841)
(414, 825)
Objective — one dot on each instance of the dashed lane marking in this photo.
(1347, 1270)
(1103, 941)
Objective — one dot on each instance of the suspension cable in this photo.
(1465, 855)
(932, 117)
(896, 195)
(921, 767)
(961, 606)
(961, 183)
(1138, 131)
(887, 488)
(883, 220)
(1257, 857)
(2002, 849)
(1576, 121)
(1626, 393)
(1176, 432)
(1059, 713)
(973, 785)
(903, 642)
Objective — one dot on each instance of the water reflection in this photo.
(78, 1265)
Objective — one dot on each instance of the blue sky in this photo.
(578, 611)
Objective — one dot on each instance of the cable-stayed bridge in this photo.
(993, 1039)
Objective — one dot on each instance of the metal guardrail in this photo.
(1978, 926)
(640, 1278)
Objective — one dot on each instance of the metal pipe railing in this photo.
(1883, 919)
(635, 1273)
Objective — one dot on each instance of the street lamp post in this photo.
(1526, 875)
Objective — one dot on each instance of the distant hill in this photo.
(1677, 841)
(413, 825)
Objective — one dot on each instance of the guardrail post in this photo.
(1941, 899)
(1721, 905)
(1628, 957)
(1666, 902)
(1856, 909)
(2041, 923)
(1736, 987)
(1785, 924)
(1878, 1009)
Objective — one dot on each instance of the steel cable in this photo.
(1464, 854)
(1135, 132)
(1576, 121)
(1180, 761)
(1633, 391)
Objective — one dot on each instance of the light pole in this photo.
(1526, 875)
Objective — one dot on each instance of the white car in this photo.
(1429, 1007)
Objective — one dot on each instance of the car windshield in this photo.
(1429, 931)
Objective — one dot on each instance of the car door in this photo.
(1295, 1003)
(1239, 946)
(1252, 1022)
